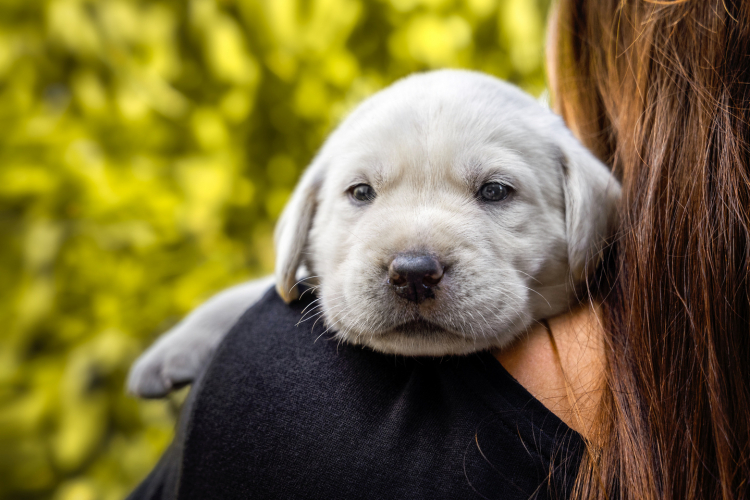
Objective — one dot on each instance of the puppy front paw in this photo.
(164, 368)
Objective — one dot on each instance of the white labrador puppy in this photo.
(444, 216)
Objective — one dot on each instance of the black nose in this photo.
(413, 276)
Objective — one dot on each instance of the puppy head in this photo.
(445, 215)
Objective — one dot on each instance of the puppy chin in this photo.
(422, 338)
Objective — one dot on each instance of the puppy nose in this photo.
(413, 277)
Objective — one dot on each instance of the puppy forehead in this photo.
(442, 135)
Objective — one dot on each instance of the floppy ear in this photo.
(592, 195)
(290, 236)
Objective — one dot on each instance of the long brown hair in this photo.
(660, 90)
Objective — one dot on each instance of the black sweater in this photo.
(285, 412)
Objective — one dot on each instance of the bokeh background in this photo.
(146, 149)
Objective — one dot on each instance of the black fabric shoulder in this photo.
(285, 411)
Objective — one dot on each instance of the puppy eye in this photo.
(363, 193)
(493, 191)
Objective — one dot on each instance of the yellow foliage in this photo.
(146, 149)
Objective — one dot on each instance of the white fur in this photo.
(426, 144)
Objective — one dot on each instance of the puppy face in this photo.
(444, 216)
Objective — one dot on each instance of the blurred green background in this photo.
(146, 149)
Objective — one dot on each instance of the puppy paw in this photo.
(180, 355)
(145, 378)
(164, 368)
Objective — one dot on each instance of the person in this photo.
(641, 392)
(659, 90)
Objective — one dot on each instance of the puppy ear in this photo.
(592, 195)
(291, 234)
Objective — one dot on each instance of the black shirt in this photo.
(284, 411)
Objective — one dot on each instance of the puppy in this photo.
(444, 216)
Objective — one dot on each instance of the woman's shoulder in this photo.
(284, 410)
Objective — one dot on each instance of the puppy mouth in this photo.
(420, 327)
(420, 337)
